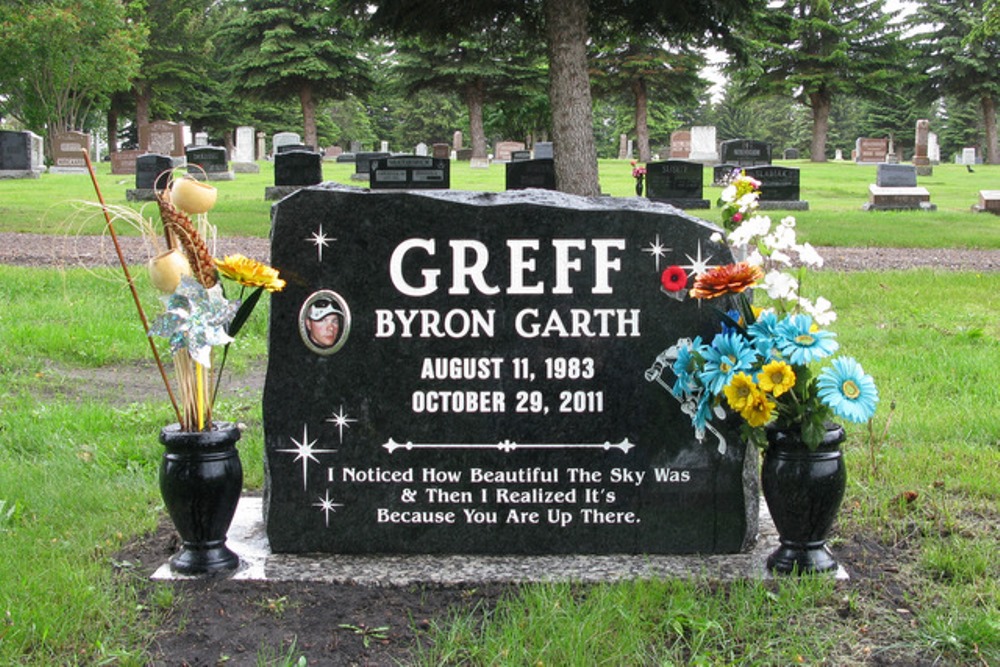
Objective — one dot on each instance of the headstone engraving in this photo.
(67, 153)
(746, 152)
(895, 176)
(703, 145)
(526, 174)
(208, 163)
(448, 375)
(410, 172)
(680, 145)
(163, 137)
(676, 182)
(779, 188)
(871, 150)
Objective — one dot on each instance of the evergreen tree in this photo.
(645, 69)
(960, 60)
(305, 49)
(817, 50)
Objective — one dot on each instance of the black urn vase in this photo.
(639, 184)
(201, 479)
(803, 489)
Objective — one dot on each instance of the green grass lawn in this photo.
(835, 192)
(78, 470)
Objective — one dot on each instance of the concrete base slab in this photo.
(798, 205)
(248, 539)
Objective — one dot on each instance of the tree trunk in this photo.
(112, 129)
(989, 108)
(820, 103)
(569, 96)
(641, 119)
(474, 102)
(308, 116)
(142, 98)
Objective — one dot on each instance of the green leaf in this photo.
(244, 312)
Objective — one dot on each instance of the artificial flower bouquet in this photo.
(774, 367)
(198, 316)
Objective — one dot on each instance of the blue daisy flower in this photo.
(728, 354)
(800, 344)
(763, 333)
(685, 367)
(848, 390)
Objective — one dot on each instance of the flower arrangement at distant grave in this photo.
(639, 174)
(739, 199)
(772, 367)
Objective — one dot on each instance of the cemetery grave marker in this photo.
(779, 188)
(294, 170)
(208, 163)
(162, 137)
(456, 372)
(871, 150)
(245, 160)
(363, 165)
(152, 173)
(680, 145)
(746, 152)
(703, 147)
(989, 202)
(123, 162)
(676, 182)
(284, 139)
(20, 154)
(410, 172)
(895, 189)
(921, 159)
(543, 150)
(504, 149)
(526, 174)
(67, 153)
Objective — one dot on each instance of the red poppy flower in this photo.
(673, 279)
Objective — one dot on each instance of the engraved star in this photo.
(698, 266)
(657, 250)
(320, 240)
(341, 421)
(327, 506)
(305, 451)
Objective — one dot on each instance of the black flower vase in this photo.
(639, 182)
(201, 479)
(803, 489)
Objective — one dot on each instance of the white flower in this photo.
(728, 194)
(820, 311)
(781, 286)
(781, 257)
(788, 221)
(716, 237)
(751, 228)
(809, 256)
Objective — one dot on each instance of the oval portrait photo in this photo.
(324, 322)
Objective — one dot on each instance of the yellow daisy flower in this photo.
(250, 272)
(776, 378)
(740, 391)
(758, 410)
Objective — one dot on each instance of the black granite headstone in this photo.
(467, 372)
(410, 172)
(745, 152)
(211, 159)
(531, 174)
(363, 161)
(15, 150)
(152, 171)
(791, 154)
(676, 182)
(298, 168)
(776, 183)
(296, 147)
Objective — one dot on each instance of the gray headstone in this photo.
(363, 162)
(543, 150)
(446, 375)
(245, 144)
(16, 154)
(284, 139)
(895, 175)
(703, 146)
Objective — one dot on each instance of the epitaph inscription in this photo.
(455, 372)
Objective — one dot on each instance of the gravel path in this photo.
(67, 251)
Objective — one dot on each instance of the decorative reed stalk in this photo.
(131, 284)
(178, 225)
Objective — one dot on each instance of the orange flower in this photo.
(728, 279)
